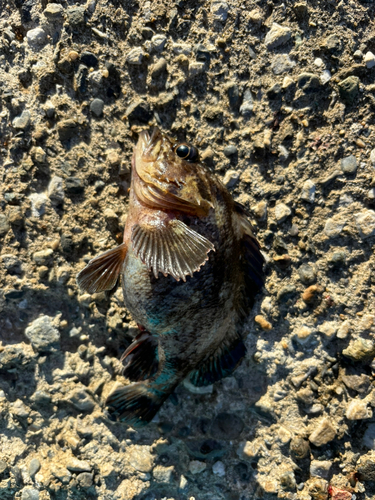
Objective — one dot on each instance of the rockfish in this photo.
(190, 267)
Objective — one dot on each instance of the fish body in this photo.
(190, 269)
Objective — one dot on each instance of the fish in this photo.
(190, 267)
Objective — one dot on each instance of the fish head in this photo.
(168, 174)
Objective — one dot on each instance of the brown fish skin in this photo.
(190, 269)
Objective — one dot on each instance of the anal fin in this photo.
(134, 404)
(170, 247)
(102, 272)
(220, 364)
(140, 358)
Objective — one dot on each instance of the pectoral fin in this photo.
(102, 272)
(170, 247)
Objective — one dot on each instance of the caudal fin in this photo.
(135, 404)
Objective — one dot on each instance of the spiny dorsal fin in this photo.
(170, 247)
(102, 272)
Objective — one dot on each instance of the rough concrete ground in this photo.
(279, 99)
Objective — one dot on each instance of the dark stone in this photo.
(309, 83)
(14, 294)
(139, 111)
(274, 92)
(230, 151)
(349, 89)
(74, 185)
(299, 448)
(26, 11)
(4, 225)
(89, 59)
(307, 274)
(279, 245)
(67, 129)
(96, 107)
(113, 80)
(76, 16)
(333, 44)
(202, 53)
(227, 426)
(357, 383)
(233, 95)
(147, 33)
(25, 77)
(3, 468)
(367, 471)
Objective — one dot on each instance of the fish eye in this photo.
(186, 152)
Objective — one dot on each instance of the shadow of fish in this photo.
(190, 269)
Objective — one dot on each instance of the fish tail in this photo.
(136, 404)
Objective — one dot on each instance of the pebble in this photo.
(23, 121)
(74, 185)
(369, 60)
(332, 44)
(163, 474)
(76, 16)
(34, 467)
(219, 468)
(36, 37)
(320, 468)
(89, 59)
(308, 191)
(282, 63)
(372, 157)
(43, 336)
(30, 494)
(343, 330)
(333, 227)
(247, 105)
(308, 82)
(325, 76)
(43, 257)
(181, 49)
(38, 204)
(158, 42)
(19, 409)
(359, 349)
(328, 328)
(195, 466)
(158, 68)
(219, 10)
(75, 465)
(349, 164)
(230, 151)
(365, 222)
(277, 35)
(303, 334)
(231, 178)
(357, 410)
(81, 400)
(366, 467)
(4, 224)
(56, 190)
(54, 11)
(135, 56)
(140, 458)
(323, 433)
(140, 111)
(349, 89)
(260, 210)
(96, 107)
(11, 263)
(282, 212)
(85, 479)
(262, 322)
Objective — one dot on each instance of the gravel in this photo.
(278, 99)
